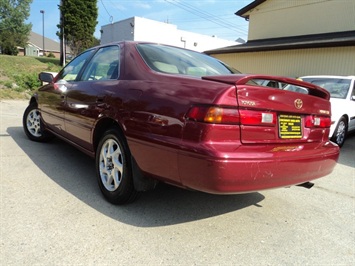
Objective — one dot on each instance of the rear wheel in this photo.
(340, 132)
(113, 168)
(32, 124)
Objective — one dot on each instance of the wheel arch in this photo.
(335, 137)
(34, 100)
(140, 181)
(346, 118)
(101, 127)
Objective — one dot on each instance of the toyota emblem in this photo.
(298, 103)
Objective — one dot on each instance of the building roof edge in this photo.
(334, 39)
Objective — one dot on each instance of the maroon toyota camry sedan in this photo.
(148, 112)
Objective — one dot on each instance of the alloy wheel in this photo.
(111, 165)
(33, 123)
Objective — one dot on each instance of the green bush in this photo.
(10, 50)
(52, 67)
(8, 84)
(19, 74)
(51, 55)
(31, 81)
(26, 82)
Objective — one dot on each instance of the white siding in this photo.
(295, 63)
(118, 31)
(280, 18)
(141, 29)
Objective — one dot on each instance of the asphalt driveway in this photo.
(52, 213)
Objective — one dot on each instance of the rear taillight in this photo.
(257, 118)
(317, 121)
(223, 115)
(214, 115)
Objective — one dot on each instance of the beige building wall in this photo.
(281, 18)
(294, 63)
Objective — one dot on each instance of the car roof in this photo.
(138, 42)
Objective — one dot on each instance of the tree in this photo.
(79, 20)
(14, 31)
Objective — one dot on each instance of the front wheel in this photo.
(339, 134)
(113, 168)
(32, 124)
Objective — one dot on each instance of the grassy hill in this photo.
(19, 74)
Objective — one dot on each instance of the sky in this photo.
(209, 17)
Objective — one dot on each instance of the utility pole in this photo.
(43, 49)
(62, 39)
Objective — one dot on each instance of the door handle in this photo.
(100, 99)
(100, 102)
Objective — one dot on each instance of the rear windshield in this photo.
(173, 60)
(338, 88)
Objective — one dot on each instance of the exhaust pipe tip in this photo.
(306, 185)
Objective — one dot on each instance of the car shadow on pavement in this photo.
(166, 205)
(347, 152)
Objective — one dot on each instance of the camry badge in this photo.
(298, 103)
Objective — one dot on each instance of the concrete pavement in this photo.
(52, 213)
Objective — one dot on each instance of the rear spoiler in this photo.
(243, 79)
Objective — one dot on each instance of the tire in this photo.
(114, 168)
(32, 124)
(340, 131)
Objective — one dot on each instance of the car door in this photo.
(52, 96)
(86, 98)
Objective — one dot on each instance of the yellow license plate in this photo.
(290, 126)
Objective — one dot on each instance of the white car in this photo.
(342, 98)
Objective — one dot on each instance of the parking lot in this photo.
(52, 213)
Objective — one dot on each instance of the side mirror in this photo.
(45, 77)
(353, 98)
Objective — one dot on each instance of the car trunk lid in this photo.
(269, 115)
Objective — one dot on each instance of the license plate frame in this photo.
(290, 126)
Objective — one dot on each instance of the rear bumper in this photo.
(254, 168)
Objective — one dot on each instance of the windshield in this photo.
(338, 88)
(173, 60)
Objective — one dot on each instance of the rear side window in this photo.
(173, 60)
(104, 65)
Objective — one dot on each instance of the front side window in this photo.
(104, 65)
(173, 60)
(72, 69)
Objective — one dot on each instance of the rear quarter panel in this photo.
(154, 120)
